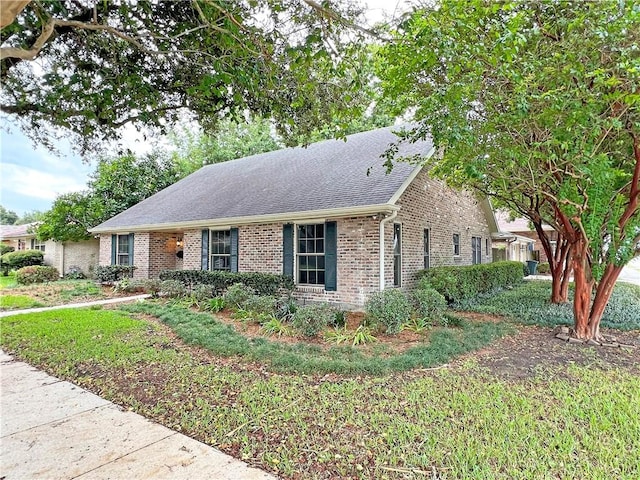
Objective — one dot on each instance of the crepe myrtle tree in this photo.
(536, 104)
(87, 68)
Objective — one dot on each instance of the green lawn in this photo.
(454, 422)
(8, 281)
(16, 302)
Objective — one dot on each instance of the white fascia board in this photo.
(219, 223)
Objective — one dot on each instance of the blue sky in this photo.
(31, 178)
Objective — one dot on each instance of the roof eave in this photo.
(310, 215)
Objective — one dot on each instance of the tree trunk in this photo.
(561, 269)
(583, 327)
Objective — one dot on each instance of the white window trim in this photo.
(308, 287)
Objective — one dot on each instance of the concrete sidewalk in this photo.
(54, 429)
(8, 313)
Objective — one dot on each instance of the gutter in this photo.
(391, 217)
(310, 215)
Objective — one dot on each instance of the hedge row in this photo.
(459, 284)
(262, 283)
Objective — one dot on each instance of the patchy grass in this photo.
(455, 422)
(202, 329)
(16, 302)
(528, 303)
(62, 292)
(9, 281)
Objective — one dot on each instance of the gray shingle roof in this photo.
(325, 175)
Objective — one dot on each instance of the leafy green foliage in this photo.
(261, 283)
(5, 248)
(233, 139)
(7, 217)
(116, 184)
(535, 104)
(237, 294)
(30, 217)
(389, 308)
(74, 272)
(429, 304)
(310, 320)
(260, 304)
(172, 289)
(276, 326)
(36, 274)
(362, 335)
(544, 268)
(462, 283)
(148, 64)
(23, 258)
(215, 305)
(114, 273)
(528, 303)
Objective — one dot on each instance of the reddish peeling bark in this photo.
(584, 328)
(559, 263)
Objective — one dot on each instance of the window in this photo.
(310, 254)
(220, 250)
(427, 248)
(397, 254)
(476, 250)
(456, 244)
(487, 247)
(37, 245)
(22, 245)
(122, 250)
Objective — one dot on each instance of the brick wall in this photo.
(104, 255)
(425, 204)
(80, 254)
(429, 203)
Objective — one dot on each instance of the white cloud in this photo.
(34, 183)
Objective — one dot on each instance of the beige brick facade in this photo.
(426, 203)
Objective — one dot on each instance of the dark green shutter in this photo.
(131, 244)
(114, 247)
(287, 250)
(233, 261)
(205, 250)
(33, 243)
(330, 256)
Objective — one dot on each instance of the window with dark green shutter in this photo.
(310, 254)
(287, 250)
(220, 250)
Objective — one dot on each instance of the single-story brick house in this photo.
(61, 255)
(329, 215)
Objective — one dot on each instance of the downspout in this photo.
(393, 215)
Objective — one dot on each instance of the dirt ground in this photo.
(532, 348)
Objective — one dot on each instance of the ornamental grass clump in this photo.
(389, 309)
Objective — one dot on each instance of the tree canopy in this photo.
(89, 68)
(116, 184)
(7, 217)
(536, 104)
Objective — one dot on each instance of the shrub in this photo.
(544, 268)
(74, 273)
(389, 308)
(260, 304)
(172, 289)
(310, 320)
(286, 307)
(23, 258)
(4, 248)
(460, 284)
(237, 294)
(261, 283)
(113, 273)
(202, 293)
(215, 305)
(429, 304)
(36, 274)
(275, 326)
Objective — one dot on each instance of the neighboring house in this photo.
(61, 255)
(329, 215)
(519, 240)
